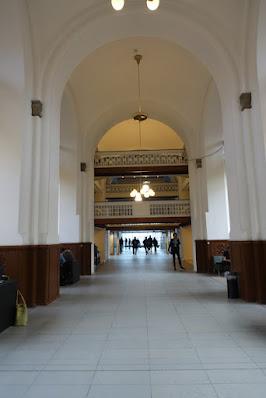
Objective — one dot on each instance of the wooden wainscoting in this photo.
(259, 250)
(20, 264)
(248, 258)
(82, 253)
(205, 250)
(36, 268)
(243, 262)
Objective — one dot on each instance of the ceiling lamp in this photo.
(140, 117)
(133, 193)
(118, 5)
(138, 197)
(145, 191)
(153, 4)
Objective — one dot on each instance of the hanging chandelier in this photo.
(140, 117)
(145, 191)
(152, 5)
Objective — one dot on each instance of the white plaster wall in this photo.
(69, 226)
(13, 116)
(261, 62)
(217, 209)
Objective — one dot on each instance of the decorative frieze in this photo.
(141, 158)
(126, 188)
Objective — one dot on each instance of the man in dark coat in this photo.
(174, 250)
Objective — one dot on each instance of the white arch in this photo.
(119, 112)
(181, 30)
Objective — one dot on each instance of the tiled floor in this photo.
(138, 330)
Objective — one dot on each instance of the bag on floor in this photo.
(21, 310)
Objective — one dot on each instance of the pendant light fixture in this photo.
(118, 5)
(140, 117)
(152, 5)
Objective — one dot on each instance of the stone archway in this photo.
(181, 30)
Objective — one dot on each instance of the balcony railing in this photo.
(176, 157)
(162, 208)
(127, 188)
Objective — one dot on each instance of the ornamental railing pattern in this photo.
(109, 210)
(126, 188)
(182, 208)
(175, 157)
(162, 208)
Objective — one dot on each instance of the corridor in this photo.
(138, 330)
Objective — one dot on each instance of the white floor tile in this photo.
(183, 391)
(127, 391)
(134, 325)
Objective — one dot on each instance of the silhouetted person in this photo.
(121, 244)
(135, 245)
(126, 242)
(155, 244)
(145, 244)
(149, 243)
(174, 250)
(129, 242)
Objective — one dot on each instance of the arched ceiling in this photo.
(50, 18)
(153, 135)
(170, 76)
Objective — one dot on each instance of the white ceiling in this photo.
(50, 18)
(169, 76)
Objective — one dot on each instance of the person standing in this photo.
(174, 249)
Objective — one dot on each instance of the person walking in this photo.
(145, 244)
(155, 244)
(175, 251)
(121, 244)
(135, 245)
(149, 243)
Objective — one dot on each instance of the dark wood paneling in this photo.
(259, 250)
(82, 253)
(144, 170)
(242, 259)
(47, 282)
(144, 220)
(146, 227)
(85, 265)
(19, 264)
(202, 256)
(36, 268)
(205, 250)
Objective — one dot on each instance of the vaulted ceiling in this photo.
(170, 77)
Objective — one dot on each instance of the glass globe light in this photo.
(146, 195)
(118, 5)
(133, 193)
(153, 4)
(151, 192)
(145, 187)
(138, 197)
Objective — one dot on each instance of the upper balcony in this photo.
(141, 162)
(146, 212)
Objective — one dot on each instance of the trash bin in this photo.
(232, 285)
